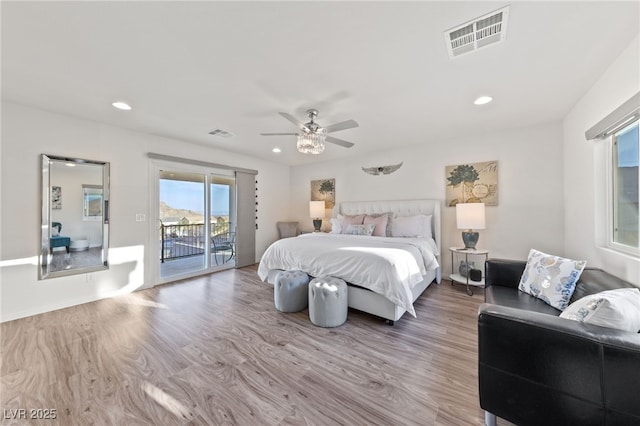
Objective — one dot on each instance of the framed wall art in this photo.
(324, 190)
(56, 198)
(472, 183)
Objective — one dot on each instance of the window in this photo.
(624, 200)
(91, 202)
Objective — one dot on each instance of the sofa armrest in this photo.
(503, 272)
(535, 368)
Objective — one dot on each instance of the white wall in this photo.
(27, 133)
(584, 164)
(530, 209)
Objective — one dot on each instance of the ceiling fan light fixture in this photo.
(311, 143)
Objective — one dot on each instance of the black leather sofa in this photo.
(535, 368)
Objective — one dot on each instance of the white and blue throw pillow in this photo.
(619, 308)
(551, 279)
(360, 229)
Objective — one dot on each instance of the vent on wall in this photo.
(478, 33)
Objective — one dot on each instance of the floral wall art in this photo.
(324, 190)
(472, 183)
(56, 197)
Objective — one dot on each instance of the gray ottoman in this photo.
(290, 292)
(328, 301)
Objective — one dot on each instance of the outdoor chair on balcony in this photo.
(224, 242)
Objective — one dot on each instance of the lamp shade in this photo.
(316, 209)
(470, 215)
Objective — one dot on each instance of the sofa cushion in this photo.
(551, 278)
(594, 281)
(618, 309)
(509, 297)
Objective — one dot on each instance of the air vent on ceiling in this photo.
(221, 133)
(478, 33)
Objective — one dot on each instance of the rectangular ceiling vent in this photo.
(478, 33)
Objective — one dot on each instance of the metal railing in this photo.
(177, 241)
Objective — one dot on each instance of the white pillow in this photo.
(619, 308)
(335, 226)
(360, 229)
(54, 231)
(551, 279)
(411, 226)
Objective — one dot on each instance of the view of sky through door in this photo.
(188, 229)
(186, 195)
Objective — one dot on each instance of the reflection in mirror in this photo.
(92, 202)
(75, 222)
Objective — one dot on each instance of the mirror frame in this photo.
(45, 257)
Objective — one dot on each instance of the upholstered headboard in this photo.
(400, 207)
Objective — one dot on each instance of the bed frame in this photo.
(373, 303)
(366, 300)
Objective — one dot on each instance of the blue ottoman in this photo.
(290, 291)
(328, 301)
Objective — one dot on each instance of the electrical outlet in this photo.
(140, 217)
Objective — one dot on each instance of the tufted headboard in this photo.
(400, 207)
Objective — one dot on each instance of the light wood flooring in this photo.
(213, 350)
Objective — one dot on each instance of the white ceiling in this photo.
(188, 68)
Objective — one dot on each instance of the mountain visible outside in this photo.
(182, 201)
(170, 214)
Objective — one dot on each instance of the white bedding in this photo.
(385, 265)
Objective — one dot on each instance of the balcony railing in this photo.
(177, 241)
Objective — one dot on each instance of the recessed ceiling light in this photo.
(276, 150)
(483, 100)
(121, 105)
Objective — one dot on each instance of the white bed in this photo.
(413, 262)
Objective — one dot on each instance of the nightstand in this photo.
(457, 254)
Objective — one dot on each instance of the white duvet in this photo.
(386, 265)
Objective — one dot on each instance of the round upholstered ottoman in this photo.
(328, 301)
(290, 292)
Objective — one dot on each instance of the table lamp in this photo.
(470, 216)
(316, 212)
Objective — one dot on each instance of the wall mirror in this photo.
(75, 216)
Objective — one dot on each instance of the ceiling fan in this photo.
(312, 136)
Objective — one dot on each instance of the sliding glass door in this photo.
(222, 221)
(196, 215)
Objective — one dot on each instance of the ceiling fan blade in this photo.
(349, 124)
(295, 121)
(339, 142)
(278, 134)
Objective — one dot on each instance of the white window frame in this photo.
(87, 192)
(612, 201)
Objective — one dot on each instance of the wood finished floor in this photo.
(213, 350)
